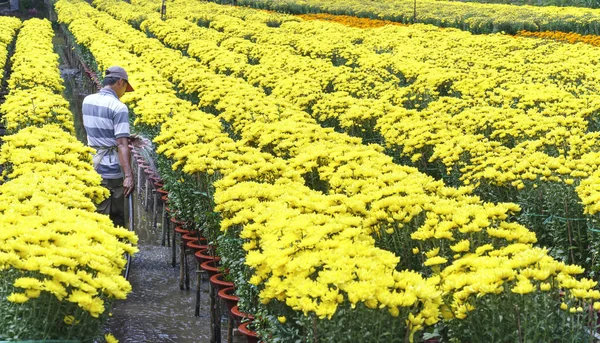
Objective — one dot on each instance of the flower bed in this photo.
(61, 262)
(9, 26)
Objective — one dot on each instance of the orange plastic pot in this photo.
(230, 299)
(251, 336)
(219, 283)
(239, 314)
(211, 267)
(191, 236)
(203, 256)
(181, 230)
(178, 222)
(196, 247)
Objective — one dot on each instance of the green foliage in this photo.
(190, 198)
(359, 324)
(554, 212)
(233, 258)
(43, 318)
(510, 317)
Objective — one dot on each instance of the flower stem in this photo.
(520, 332)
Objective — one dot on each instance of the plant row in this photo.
(326, 244)
(469, 16)
(563, 37)
(61, 262)
(35, 100)
(10, 27)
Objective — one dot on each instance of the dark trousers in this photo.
(114, 205)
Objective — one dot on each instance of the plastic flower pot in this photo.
(211, 267)
(191, 236)
(230, 299)
(181, 230)
(178, 222)
(251, 336)
(235, 311)
(197, 245)
(218, 281)
(162, 191)
(165, 198)
(204, 256)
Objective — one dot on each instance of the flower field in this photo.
(408, 182)
(61, 262)
(444, 111)
(375, 183)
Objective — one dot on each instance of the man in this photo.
(106, 121)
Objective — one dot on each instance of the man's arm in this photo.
(124, 154)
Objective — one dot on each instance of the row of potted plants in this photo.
(205, 254)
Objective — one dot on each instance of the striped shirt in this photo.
(105, 119)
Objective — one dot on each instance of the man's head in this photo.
(116, 78)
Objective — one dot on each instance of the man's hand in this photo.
(127, 184)
(123, 146)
